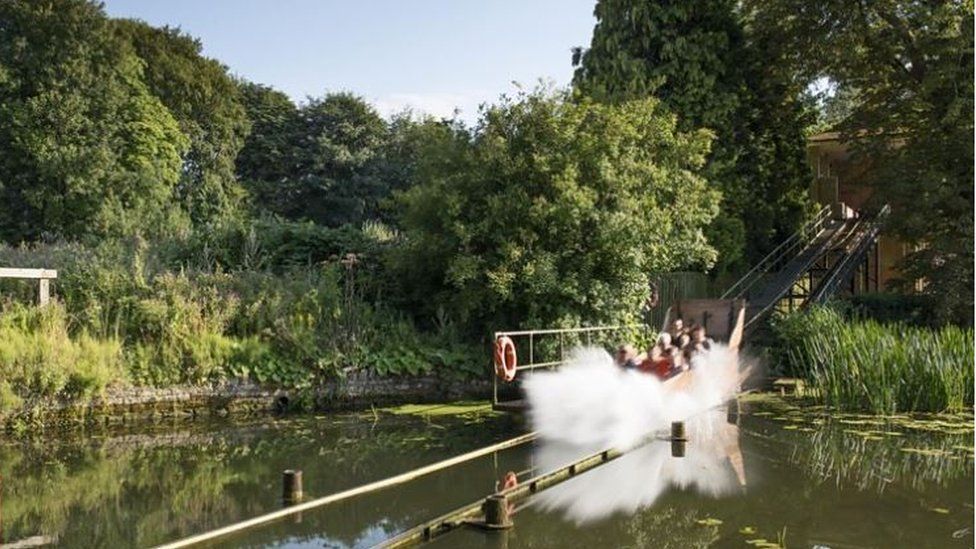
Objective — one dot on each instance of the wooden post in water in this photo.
(495, 508)
(678, 431)
(291, 484)
(678, 439)
(732, 412)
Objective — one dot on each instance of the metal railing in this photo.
(855, 246)
(573, 336)
(838, 240)
(785, 251)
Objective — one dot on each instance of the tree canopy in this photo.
(206, 103)
(553, 212)
(87, 148)
(701, 61)
(904, 71)
(321, 161)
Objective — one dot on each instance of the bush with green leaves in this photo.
(292, 327)
(552, 211)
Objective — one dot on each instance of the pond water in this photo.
(781, 476)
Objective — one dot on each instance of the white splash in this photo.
(712, 467)
(592, 402)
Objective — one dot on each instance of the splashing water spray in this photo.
(591, 401)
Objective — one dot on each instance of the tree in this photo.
(341, 136)
(268, 164)
(322, 162)
(552, 212)
(699, 59)
(206, 102)
(905, 71)
(85, 148)
(270, 149)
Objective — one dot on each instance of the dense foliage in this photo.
(140, 320)
(206, 103)
(705, 63)
(863, 364)
(331, 161)
(903, 71)
(553, 212)
(207, 228)
(87, 149)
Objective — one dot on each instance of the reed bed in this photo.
(858, 364)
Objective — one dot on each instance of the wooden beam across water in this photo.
(346, 494)
(474, 514)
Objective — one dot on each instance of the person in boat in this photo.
(699, 341)
(677, 329)
(626, 357)
(678, 362)
(658, 361)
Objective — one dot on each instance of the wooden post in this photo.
(678, 431)
(43, 292)
(495, 508)
(678, 439)
(291, 483)
(732, 413)
(678, 448)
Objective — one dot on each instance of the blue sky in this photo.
(430, 55)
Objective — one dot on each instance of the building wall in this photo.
(840, 176)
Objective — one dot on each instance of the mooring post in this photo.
(678, 439)
(496, 510)
(732, 411)
(291, 486)
(678, 431)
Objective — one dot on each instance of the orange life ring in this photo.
(505, 358)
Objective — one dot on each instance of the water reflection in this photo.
(712, 467)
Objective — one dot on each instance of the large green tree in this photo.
(552, 212)
(701, 61)
(905, 72)
(85, 147)
(332, 160)
(206, 102)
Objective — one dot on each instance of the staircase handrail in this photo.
(814, 225)
(842, 270)
(837, 240)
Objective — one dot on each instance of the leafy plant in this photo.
(883, 368)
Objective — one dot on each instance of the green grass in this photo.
(38, 357)
(858, 364)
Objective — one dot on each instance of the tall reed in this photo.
(884, 368)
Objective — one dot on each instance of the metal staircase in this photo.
(810, 266)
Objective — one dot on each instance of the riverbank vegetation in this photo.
(206, 228)
(858, 363)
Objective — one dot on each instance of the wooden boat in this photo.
(724, 322)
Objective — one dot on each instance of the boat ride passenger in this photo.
(658, 362)
(678, 362)
(699, 341)
(677, 329)
(626, 357)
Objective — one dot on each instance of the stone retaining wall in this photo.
(356, 390)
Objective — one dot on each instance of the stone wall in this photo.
(356, 390)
